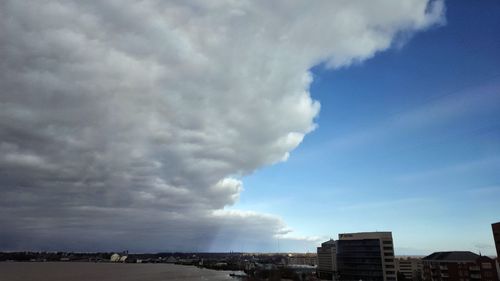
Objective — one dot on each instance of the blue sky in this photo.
(408, 141)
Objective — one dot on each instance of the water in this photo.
(76, 271)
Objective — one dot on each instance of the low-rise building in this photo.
(115, 258)
(458, 266)
(303, 259)
(409, 267)
(171, 259)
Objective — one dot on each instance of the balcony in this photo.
(474, 268)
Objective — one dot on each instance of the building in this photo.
(302, 270)
(327, 264)
(171, 259)
(458, 266)
(302, 259)
(496, 236)
(115, 258)
(409, 267)
(366, 256)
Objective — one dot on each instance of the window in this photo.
(486, 265)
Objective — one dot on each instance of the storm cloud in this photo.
(129, 124)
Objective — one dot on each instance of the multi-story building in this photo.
(327, 260)
(458, 266)
(496, 236)
(409, 267)
(365, 256)
(303, 259)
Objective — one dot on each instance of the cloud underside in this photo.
(130, 123)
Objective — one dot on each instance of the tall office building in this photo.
(496, 236)
(366, 256)
(327, 260)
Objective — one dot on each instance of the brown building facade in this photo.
(458, 266)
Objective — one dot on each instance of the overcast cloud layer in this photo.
(127, 124)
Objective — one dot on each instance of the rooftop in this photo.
(329, 242)
(452, 256)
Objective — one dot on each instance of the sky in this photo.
(407, 141)
(248, 126)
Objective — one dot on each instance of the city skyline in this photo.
(248, 126)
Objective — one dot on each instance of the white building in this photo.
(302, 259)
(410, 267)
(327, 261)
(115, 258)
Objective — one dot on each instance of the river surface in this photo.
(76, 271)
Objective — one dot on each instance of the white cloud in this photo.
(138, 117)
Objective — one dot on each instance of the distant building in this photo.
(458, 266)
(115, 258)
(409, 267)
(303, 259)
(171, 259)
(496, 236)
(366, 256)
(327, 261)
(302, 270)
